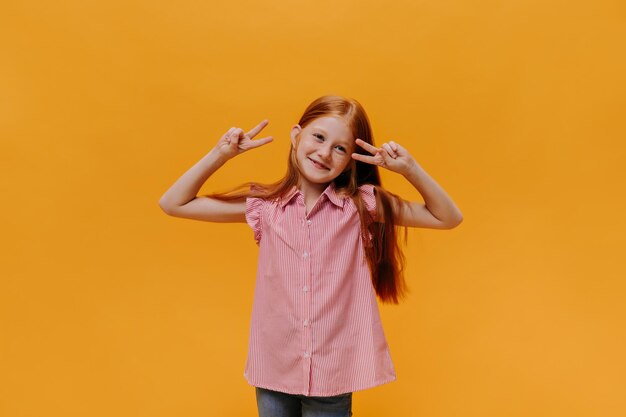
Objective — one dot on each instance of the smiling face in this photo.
(323, 150)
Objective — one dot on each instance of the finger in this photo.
(365, 158)
(256, 129)
(371, 149)
(389, 151)
(228, 133)
(260, 142)
(394, 145)
(237, 134)
(384, 155)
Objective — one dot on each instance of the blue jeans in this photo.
(280, 404)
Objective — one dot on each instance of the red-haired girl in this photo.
(327, 248)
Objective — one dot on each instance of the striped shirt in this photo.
(315, 328)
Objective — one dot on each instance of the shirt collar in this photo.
(330, 192)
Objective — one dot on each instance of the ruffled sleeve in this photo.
(369, 198)
(254, 207)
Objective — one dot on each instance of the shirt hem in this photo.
(322, 394)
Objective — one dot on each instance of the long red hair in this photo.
(384, 255)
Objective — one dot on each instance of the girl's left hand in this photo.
(390, 155)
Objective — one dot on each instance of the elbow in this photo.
(454, 222)
(166, 208)
(457, 221)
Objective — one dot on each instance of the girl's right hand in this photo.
(235, 141)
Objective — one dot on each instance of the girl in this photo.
(327, 248)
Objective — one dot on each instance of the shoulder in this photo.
(364, 189)
(368, 193)
(254, 213)
(367, 190)
(255, 206)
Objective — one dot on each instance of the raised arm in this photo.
(438, 211)
(181, 199)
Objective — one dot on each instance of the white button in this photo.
(308, 222)
(305, 254)
(305, 288)
(307, 355)
(306, 322)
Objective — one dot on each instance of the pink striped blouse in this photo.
(315, 328)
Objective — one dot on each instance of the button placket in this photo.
(307, 340)
(305, 257)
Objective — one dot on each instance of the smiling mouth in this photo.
(318, 165)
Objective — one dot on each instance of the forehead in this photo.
(335, 127)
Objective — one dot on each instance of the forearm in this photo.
(437, 201)
(187, 186)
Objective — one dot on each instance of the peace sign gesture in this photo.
(235, 141)
(390, 155)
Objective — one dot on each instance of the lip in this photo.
(318, 165)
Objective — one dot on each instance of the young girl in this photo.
(327, 247)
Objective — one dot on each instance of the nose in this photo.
(324, 151)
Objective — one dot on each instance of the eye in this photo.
(341, 148)
(319, 136)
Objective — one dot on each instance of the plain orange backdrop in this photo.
(108, 307)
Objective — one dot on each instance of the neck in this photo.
(311, 190)
(311, 194)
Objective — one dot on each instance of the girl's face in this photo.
(323, 149)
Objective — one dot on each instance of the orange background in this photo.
(108, 307)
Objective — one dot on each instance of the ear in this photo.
(295, 131)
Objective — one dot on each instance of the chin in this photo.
(318, 179)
